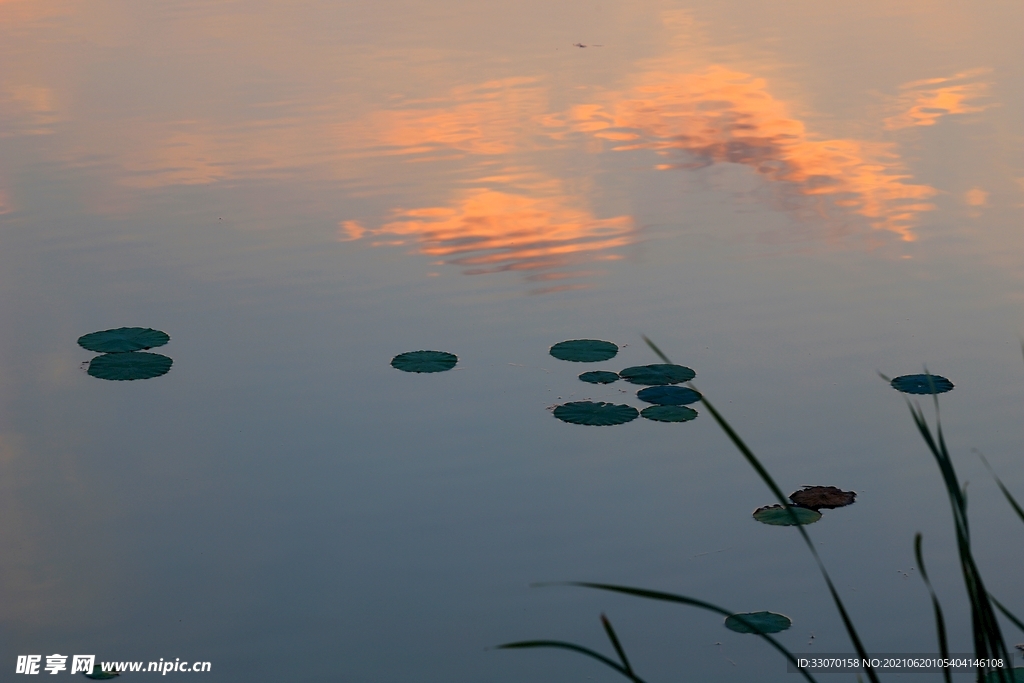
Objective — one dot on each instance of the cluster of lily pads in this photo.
(124, 354)
(807, 505)
(670, 403)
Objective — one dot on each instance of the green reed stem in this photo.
(770, 482)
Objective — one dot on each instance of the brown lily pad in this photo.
(822, 497)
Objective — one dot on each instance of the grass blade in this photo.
(693, 602)
(558, 644)
(767, 479)
(988, 638)
(616, 644)
(1010, 499)
(1006, 613)
(940, 622)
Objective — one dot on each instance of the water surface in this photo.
(788, 199)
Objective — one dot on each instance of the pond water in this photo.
(788, 198)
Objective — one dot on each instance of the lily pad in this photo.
(1016, 675)
(822, 497)
(584, 350)
(659, 373)
(919, 384)
(424, 361)
(123, 339)
(758, 622)
(778, 516)
(668, 396)
(599, 377)
(595, 413)
(98, 674)
(669, 413)
(129, 365)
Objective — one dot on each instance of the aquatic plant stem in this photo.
(615, 643)
(940, 622)
(561, 645)
(988, 638)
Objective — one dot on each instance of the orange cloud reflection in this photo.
(488, 230)
(489, 118)
(721, 115)
(514, 219)
(927, 100)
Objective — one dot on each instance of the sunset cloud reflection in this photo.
(924, 102)
(489, 167)
(693, 118)
(722, 115)
(486, 230)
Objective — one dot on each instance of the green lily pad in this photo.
(595, 414)
(668, 396)
(823, 497)
(600, 377)
(919, 384)
(777, 515)
(1016, 675)
(584, 350)
(424, 361)
(129, 365)
(758, 622)
(98, 674)
(123, 339)
(659, 373)
(669, 413)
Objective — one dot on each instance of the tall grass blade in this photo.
(693, 602)
(767, 479)
(940, 622)
(525, 644)
(1010, 499)
(615, 643)
(1006, 613)
(988, 638)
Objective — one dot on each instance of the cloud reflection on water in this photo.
(541, 229)
(695, 118)
(722, 115)
(511, 203)
(925, 101)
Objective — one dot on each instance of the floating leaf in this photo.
(599, 377)
(669, 413)
(424, 361)
(758, 622)
(129, 365)
(123, 339)
(584, 350)
(98, 674)
(596, 414)
(668, 396)
(660, 373)
(1016, 675)
(822, 497)
(920, 384)
(777, 515)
